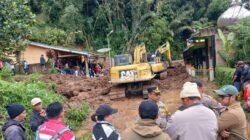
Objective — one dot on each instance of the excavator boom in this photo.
(165, 48)
(140, 54)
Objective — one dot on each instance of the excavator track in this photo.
(117, 92)
(132, 89)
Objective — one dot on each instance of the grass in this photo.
(22, 92)
(87, 136)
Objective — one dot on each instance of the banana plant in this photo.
(228, 43)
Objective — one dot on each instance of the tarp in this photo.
(232, 15)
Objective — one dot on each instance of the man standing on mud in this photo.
(195, 121)
(14, 129)
(154, 94)
(38, 115)
(232, 122)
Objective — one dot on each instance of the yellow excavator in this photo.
(134, 76)
(158, 66)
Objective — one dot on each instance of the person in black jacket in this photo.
(103, 129)
(13, 129)
(38, 115)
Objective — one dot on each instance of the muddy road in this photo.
(95, 91)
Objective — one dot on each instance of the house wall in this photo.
(218, 43)
(32, 54)
(219, 47)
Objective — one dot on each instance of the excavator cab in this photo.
(122, 60)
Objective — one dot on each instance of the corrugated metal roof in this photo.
(63, 49)
(232, 15)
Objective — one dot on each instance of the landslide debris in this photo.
(80, 88)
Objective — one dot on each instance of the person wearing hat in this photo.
(146, 128)
(232, 122)
(207, 100)
(154, 94)
(38, 115)
(237, 75)
(195, 121)
(103, 129)
(54, 128)
(14, 129)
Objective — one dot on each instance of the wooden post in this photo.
(86, 66)
(211, 70)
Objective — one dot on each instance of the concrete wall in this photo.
(219, 47)
(32, 54)
(218, 43)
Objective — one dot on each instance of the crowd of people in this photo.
(94, 69)
(9, 65)
(47, 124)
(200, 117)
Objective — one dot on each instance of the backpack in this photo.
(100, 134)
(56, 136)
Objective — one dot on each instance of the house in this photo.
(34, 50)
(204, 48)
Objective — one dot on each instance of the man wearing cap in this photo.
(154, 94)
(146, 128)
(232, 122)
(195, 121)
(103, 129)
(207, 100)
(54, 128)
(38, 115)
(237, 75)
(14, 129)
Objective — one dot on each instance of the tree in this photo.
(242, 38)
(228, 43)
(216, 8)
(134, 22)
(15, 21)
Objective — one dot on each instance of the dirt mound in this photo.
(176, 77)
(79, 88)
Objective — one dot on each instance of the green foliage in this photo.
(242, 39)
(216, 8)
(154, 34)
(5, 73)
(203, 23)
(87, 23)
(228, 43)
(15, 21)
(23, 92)
(53, 70)
(52, 36)
(87, 136)
(78, 115)
(223, 75)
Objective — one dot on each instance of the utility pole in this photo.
(109, 47)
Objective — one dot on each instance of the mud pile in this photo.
(176, 77)
(79, 88)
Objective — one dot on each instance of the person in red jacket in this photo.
(54, 128)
